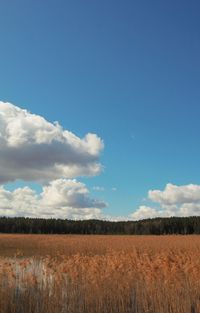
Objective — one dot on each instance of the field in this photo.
(99, 274)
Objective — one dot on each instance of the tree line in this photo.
(155, 226)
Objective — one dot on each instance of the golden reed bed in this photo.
(99, 274)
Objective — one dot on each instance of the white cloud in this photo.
(61, 198)
(172, 201)
(144, 212)
(173, 194)
(32, 148)
(114, 189)
(98, 188)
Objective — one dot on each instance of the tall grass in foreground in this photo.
(98, 274)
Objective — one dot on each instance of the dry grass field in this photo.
(99, 274)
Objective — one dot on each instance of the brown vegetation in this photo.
(99, 274)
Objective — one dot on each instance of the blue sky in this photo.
(128, 71)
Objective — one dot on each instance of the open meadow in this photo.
(99, 274)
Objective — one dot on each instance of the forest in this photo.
(155, 226)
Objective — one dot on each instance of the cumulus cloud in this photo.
(61, 198)
(172, 201)
(144, 212)
(31, 148)
(173, 194)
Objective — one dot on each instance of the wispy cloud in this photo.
(98, 188)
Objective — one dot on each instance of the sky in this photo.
(121, 81)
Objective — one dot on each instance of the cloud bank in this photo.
(33, 149)
(172, 201)
(61, 198)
